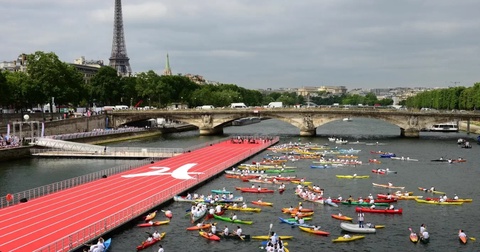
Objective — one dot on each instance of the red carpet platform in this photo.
(65, 220)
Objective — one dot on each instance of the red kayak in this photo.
(156, 223)
(204, 226)
(385, 196)
(255, 190)
(385, 200)
(210, 216)
(379, 172)
(146, 244)
(209, 237)
(370, 210)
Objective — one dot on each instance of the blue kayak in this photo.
(294, 223)
(107, 243)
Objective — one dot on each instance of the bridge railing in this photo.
(77, 239)
(95, 133)
(19, 197)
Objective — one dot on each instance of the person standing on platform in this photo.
(361, 219)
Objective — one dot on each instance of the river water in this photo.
(443, 222)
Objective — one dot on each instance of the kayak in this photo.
(451, 200)
(267, 237)
(317, 232)
(212, 237)
(341, 217)
(463, 239)
(279, 171)
(378, 171)
(302, 214)
(246, 209)
(354, 228)
(352, 177)
(333, 204)
(243, 237)
(352, 238)
(385, 200)
(301, 183)
(370, 210)
(424, 241)
(204, 226)
(387, 186)
(293, 219)
(294, 223)
(254, 190)
(220, 191)
(261, 203)
(148, 244)
(184, 199)
(198, 215)
(168, 214)
(150, 216)
(399, 197)
(356, 203)
(303, 210)
(438, 202)
(228, 219)
(156, 223)
(404, 158)
(428, 190)
(107, 244)
(413, 237)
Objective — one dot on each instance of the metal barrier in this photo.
(112, 152)
(95, 133)
(77, 239)
(16, 198)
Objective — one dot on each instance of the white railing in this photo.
(80, 237)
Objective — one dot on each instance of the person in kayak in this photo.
(234, 217)
(455, 197)
(213, 228)
(350, 199)
(422, 228)
(99, 247)
(238, 231)
(391, 207)
(225, 230)
(372, 206)
(461, 233)
(346, 236)
(156, 235)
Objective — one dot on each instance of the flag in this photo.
(43, 130)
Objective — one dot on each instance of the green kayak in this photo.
(279, 171)
(364, 203)
(293, 219)
(228, 219)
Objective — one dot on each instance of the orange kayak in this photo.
(302, 214)
(150, 216)
(261, 203)
(341, 217)
(463, 239)
(205, 226)
(210, 237)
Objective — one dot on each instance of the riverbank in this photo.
(474, 127)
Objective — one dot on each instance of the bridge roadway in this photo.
(65, 220)
(212, 121)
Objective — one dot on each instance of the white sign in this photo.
(179, 173)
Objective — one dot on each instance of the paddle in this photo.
(472, 238)
(270, 230)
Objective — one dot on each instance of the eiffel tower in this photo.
(119, 59)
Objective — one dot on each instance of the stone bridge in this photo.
(211, 122)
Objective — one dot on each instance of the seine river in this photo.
(443, 222)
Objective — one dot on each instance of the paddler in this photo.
(461, 234)
(160, 248)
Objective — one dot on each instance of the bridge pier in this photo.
(211, 131)
(410, 133)
(308, 132)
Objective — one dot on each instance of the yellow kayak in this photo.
(438, 202)
(300, 182)
(248, 209)
(352, 238)
(353, 177)
(266, 237)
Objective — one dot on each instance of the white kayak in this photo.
(404, 159)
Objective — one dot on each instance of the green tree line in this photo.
(46, 77)
(463, 98)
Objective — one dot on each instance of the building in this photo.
(88, 68)
(167, 71)
(20, 64)
(314, 91)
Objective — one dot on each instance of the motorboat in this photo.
(443, 127)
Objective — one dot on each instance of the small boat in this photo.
(196, 227)
(375, 210)
(244, 209)
(267, 237)
(428, 190)
(352, 238)
(356, 203)
(354, 228)
(223, 191)
(156, 223)
(212, 237)
(228, 219)
(462, 239)
(341, 217)
(294, 223)
(255, 190)
(347, 119)
(261, 203)
(451, 200)
(301, 182)
(146, 244)
(243, 237)
(353, 176)
(404, 159)
(438, 202)
(413, 236)
(151, 216)
(379, 171)
(388, 186)
(297, 214)
(198, 215)
(107, 244)
(312, 231)
(387, 155)
(293, 219)
(374, 161)
(303, 210)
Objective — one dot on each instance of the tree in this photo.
(5, 99)
(18, 86)
(105, 86)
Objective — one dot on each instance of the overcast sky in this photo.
(263, 43)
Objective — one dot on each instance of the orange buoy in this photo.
(9, 197)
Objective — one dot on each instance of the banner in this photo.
(8, 129)
(43, 130)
